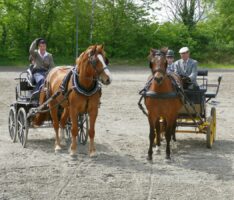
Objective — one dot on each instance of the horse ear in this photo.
(102, 47)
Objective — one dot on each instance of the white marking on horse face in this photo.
(106, 70)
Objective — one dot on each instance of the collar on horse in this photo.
(158, 95)
(145, 92)
(76, 85)
(81, 90)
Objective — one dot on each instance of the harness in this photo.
(81, 90)
(179, 92)
(75, 86)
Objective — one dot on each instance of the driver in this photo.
(43, 61)
(187, 69)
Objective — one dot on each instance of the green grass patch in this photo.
(22, 62)
(217, 66)
(129, 62)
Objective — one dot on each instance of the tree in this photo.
(188, 12)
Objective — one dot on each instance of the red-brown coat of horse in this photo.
(77, 103)
(161, 108)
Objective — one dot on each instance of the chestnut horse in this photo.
(161, 101)
(91, 66)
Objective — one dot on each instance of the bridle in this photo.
(93, 59)
(160, 69)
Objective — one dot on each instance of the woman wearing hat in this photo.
(43, 61)
(187, 69)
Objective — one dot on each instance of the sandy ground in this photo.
(120, 171)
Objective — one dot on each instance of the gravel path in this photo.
(120, 171)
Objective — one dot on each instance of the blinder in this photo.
(158, 69)
(159, 53)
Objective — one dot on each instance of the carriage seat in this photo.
(202, 72)
(201, 77)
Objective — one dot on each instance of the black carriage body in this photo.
(27, 99)
(195, 113)
(197, 99)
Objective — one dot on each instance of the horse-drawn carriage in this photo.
(26, 100)
(194, 113)
(68, 101)
(172, 108)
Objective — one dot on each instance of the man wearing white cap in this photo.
(187, 69)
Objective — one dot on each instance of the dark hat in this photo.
(41, 41)
(170, 53)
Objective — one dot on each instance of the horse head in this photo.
(95, 58)
(158, 64)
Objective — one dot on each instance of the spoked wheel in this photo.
(22, 126)
(12, 123)
(213, 115)
(68, 131)
(210, 133)
(83, 124)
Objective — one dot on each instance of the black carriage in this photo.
(26, 101)
(193, 117)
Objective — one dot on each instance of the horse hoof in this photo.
(35, 126)
(93, 154)
(63, 143)
(57, 148)
(73, 153)
(168, 157)
(149, 157)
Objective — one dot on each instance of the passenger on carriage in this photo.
(187, 69)
(170, 61)
(42, 61)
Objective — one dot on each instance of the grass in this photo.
(138, 62)
(217, 66)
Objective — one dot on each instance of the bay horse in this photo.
(161, 101)
(91, 66)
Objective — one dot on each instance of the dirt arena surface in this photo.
(120, 170)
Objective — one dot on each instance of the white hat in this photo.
(184, 50)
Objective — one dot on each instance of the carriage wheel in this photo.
(68, 131)
(83, 123)
(210, 133)
(12, 123)
(213, 115)
(22, 126)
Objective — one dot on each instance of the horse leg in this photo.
(74, 131)
(174, 136)
(63, 122)
(92, 117)
(55, 120)
(163, 126)
(168, 140)
(174, 132)
(151, 140)
(158, 135)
